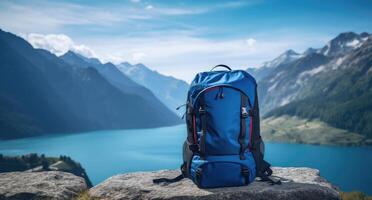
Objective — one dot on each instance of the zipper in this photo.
(194, 128)
(183, 115)
(181, 106)
(250, 133)
(221, 93)
(217, 161)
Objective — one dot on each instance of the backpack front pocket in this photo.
(222, 171)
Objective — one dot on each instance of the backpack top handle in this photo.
(225, 66)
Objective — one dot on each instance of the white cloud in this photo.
(177, 54)
(178, 11)
(167, 10)
(149, 7)
(138, 56)
(55, 16)
(57, 44)
(182, 55)
(250, 42)
(84, 50)
(47, 17)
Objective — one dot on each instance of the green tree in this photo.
(45, 164)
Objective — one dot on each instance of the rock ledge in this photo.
(40, 185)
(297, 183)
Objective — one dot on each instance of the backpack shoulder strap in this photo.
(263, 169)
(171, 180)
(168, 180)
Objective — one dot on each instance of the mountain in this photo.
(284, 58)
(343, 43)
(309, 51)
(115, 77)
(40, 94)
(344, 98)
(112, 74)
(291, 80)
(268, 67)
(107, 70)
(282, 86)
(171, 91)
(331, 84)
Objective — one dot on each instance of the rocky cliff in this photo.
(40, 185)
(297, 183)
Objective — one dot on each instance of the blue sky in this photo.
(180, 38)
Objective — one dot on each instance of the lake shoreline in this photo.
(264, 135)
(105, 153)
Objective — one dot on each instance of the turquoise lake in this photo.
(106, 153)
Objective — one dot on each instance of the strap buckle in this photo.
(194, 147)
(245, 171)
(244, 112)
(268, 171)
(202, 111)
(190, 110)
(198, 175)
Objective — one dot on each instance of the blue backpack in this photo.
(223, 146)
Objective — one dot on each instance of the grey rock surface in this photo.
(40, 185)
(297, 183)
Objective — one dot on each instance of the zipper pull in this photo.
(181, 106)
(217, 94)
(221, 93)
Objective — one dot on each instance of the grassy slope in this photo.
(355, 196)
(297, 130)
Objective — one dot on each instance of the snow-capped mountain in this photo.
(171, 91)
(284, 58)
(343, 43)
(340, 45)
(332, 83)
(267, 67)
(281, 85)
(309, 51)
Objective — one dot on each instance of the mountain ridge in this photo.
(116, 78)
(171, 91)
(313, 86)
(344, 99)
(267, 67)
(54, 97)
